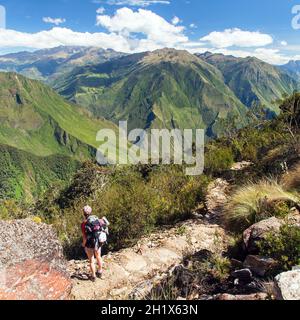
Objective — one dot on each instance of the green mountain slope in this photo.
(162, 89)
(35, 119)
(253, 80)
(24, 176)
(48, 64)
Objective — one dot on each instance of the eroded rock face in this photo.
(258, 232)
(288, 285)
(32, 266)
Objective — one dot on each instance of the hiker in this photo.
(94, 232)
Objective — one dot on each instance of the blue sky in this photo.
(262, 28)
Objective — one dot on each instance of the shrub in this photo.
(10, 209)
(254, 202)
(134, 202)
(127, 205)
(218, 158)
(220, 267)
(174, 195)
(283, 247)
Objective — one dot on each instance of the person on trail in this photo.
(94, 232)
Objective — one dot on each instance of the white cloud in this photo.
(136, 3)
(156, 29)
(56, 21)
(284, 43)
(237, 37)
(176, 21)
(62, 36)
(100, 10)
(193, 26)
(143, 30)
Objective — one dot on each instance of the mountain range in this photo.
(94, 89)
(48, 64)
(171, 88)
(161, 89)
(293, 68)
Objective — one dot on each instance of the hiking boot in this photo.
(93, 279)
(99, 274)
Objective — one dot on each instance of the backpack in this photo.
(96, 230)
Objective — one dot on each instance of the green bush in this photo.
(135, 200)
(174, 195)
(126, 202)
(10, 210)
(218, 158)
(283, 247)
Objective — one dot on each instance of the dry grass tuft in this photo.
(257, 201)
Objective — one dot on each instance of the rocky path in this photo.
(216, 199)
(128, 272)
(132, 272)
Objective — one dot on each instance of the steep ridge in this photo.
(43, 138)
(35, 119)
(252, 80)
(25, 176)
(161, 89)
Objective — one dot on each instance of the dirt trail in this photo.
(133, 271)
(129, 269)
(216, 199)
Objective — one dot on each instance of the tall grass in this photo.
(257, 201)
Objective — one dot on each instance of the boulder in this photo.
(258, 232)
(287, 285)
(260, 265)
(294, 217)
(32, 266)
(236, 264)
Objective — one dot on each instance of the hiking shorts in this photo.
(91, 251)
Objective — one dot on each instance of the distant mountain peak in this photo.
(169, 55)
(252, 79)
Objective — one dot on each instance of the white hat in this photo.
(88, 210)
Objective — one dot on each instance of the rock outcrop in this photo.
(260, 266)
(258, 232)
(32, 266)
(288, 285)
